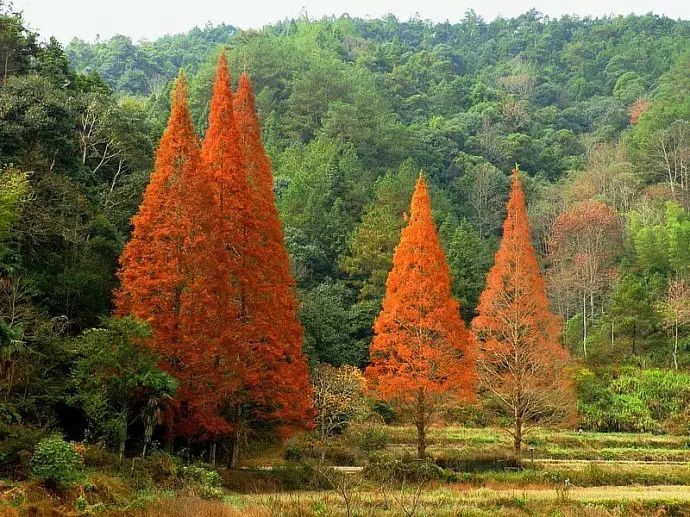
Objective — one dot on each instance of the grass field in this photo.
(565, 473)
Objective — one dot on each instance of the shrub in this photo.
(17, 444)
(385, 411)
(406, 469)
(202, 481)
(341, 455)
(370, 437)
(476, 461)
(303, 476)
(56, 464)
(97, 456)
(162, 466)
(634, 400)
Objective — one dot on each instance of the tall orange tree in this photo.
(223, 162)
(521, 362)
(277, 378)
(173, 276)
(421, 354)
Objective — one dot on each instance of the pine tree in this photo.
(421, 354)
(521, 362)
(173, 276)
(277, 378)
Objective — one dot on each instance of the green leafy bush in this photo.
(339, 452)
(406, 469)
(56, 464)
(476, 461)
(634, 400)
(303, 476)
(202, 481)
(370, 437)
(17, 444)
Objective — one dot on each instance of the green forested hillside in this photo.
(353, 108)
(595, 111)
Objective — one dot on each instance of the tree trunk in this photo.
(584, 323)
(212, 453)
(517, 439)
(420, 422)
(123, 439)
(675, 346)
(421, 441)
(235, 439)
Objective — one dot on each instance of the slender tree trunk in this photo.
(421, 440)
(420, 422)
(235, 439)
(123, 439)
(584, 324)
(675, 346)
(517, 438)
(212, 453)
(7, 62)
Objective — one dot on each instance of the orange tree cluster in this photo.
(207, 268)
(422, 355)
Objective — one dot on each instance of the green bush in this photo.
(634, 400)
(406, 469)
(17, 444)
(97, 456)
(162, 466)
(370, 437)
(338, 453)
(202, 481)
(56, 464)
(476, 461)
(303, 476)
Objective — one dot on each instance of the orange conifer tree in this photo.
(277, 377)
(222, 158)
(173, 276)
(521, 363)
(421, 354)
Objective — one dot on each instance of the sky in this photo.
(149, 19)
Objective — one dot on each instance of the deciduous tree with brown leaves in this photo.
(174, 274)
(276, 379)
(521, 363)
(421, 354)
(585, 248)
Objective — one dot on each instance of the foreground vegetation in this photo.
(469, 475)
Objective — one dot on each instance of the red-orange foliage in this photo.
(421, 354)
(173, 276)
(638, 108)
(521, 362)
(277, 379)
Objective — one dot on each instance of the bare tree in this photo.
(675, 311)
(671, 148)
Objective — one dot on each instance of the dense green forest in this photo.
(595, 111)
(590, 109)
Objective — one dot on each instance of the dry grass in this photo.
(189, 507)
